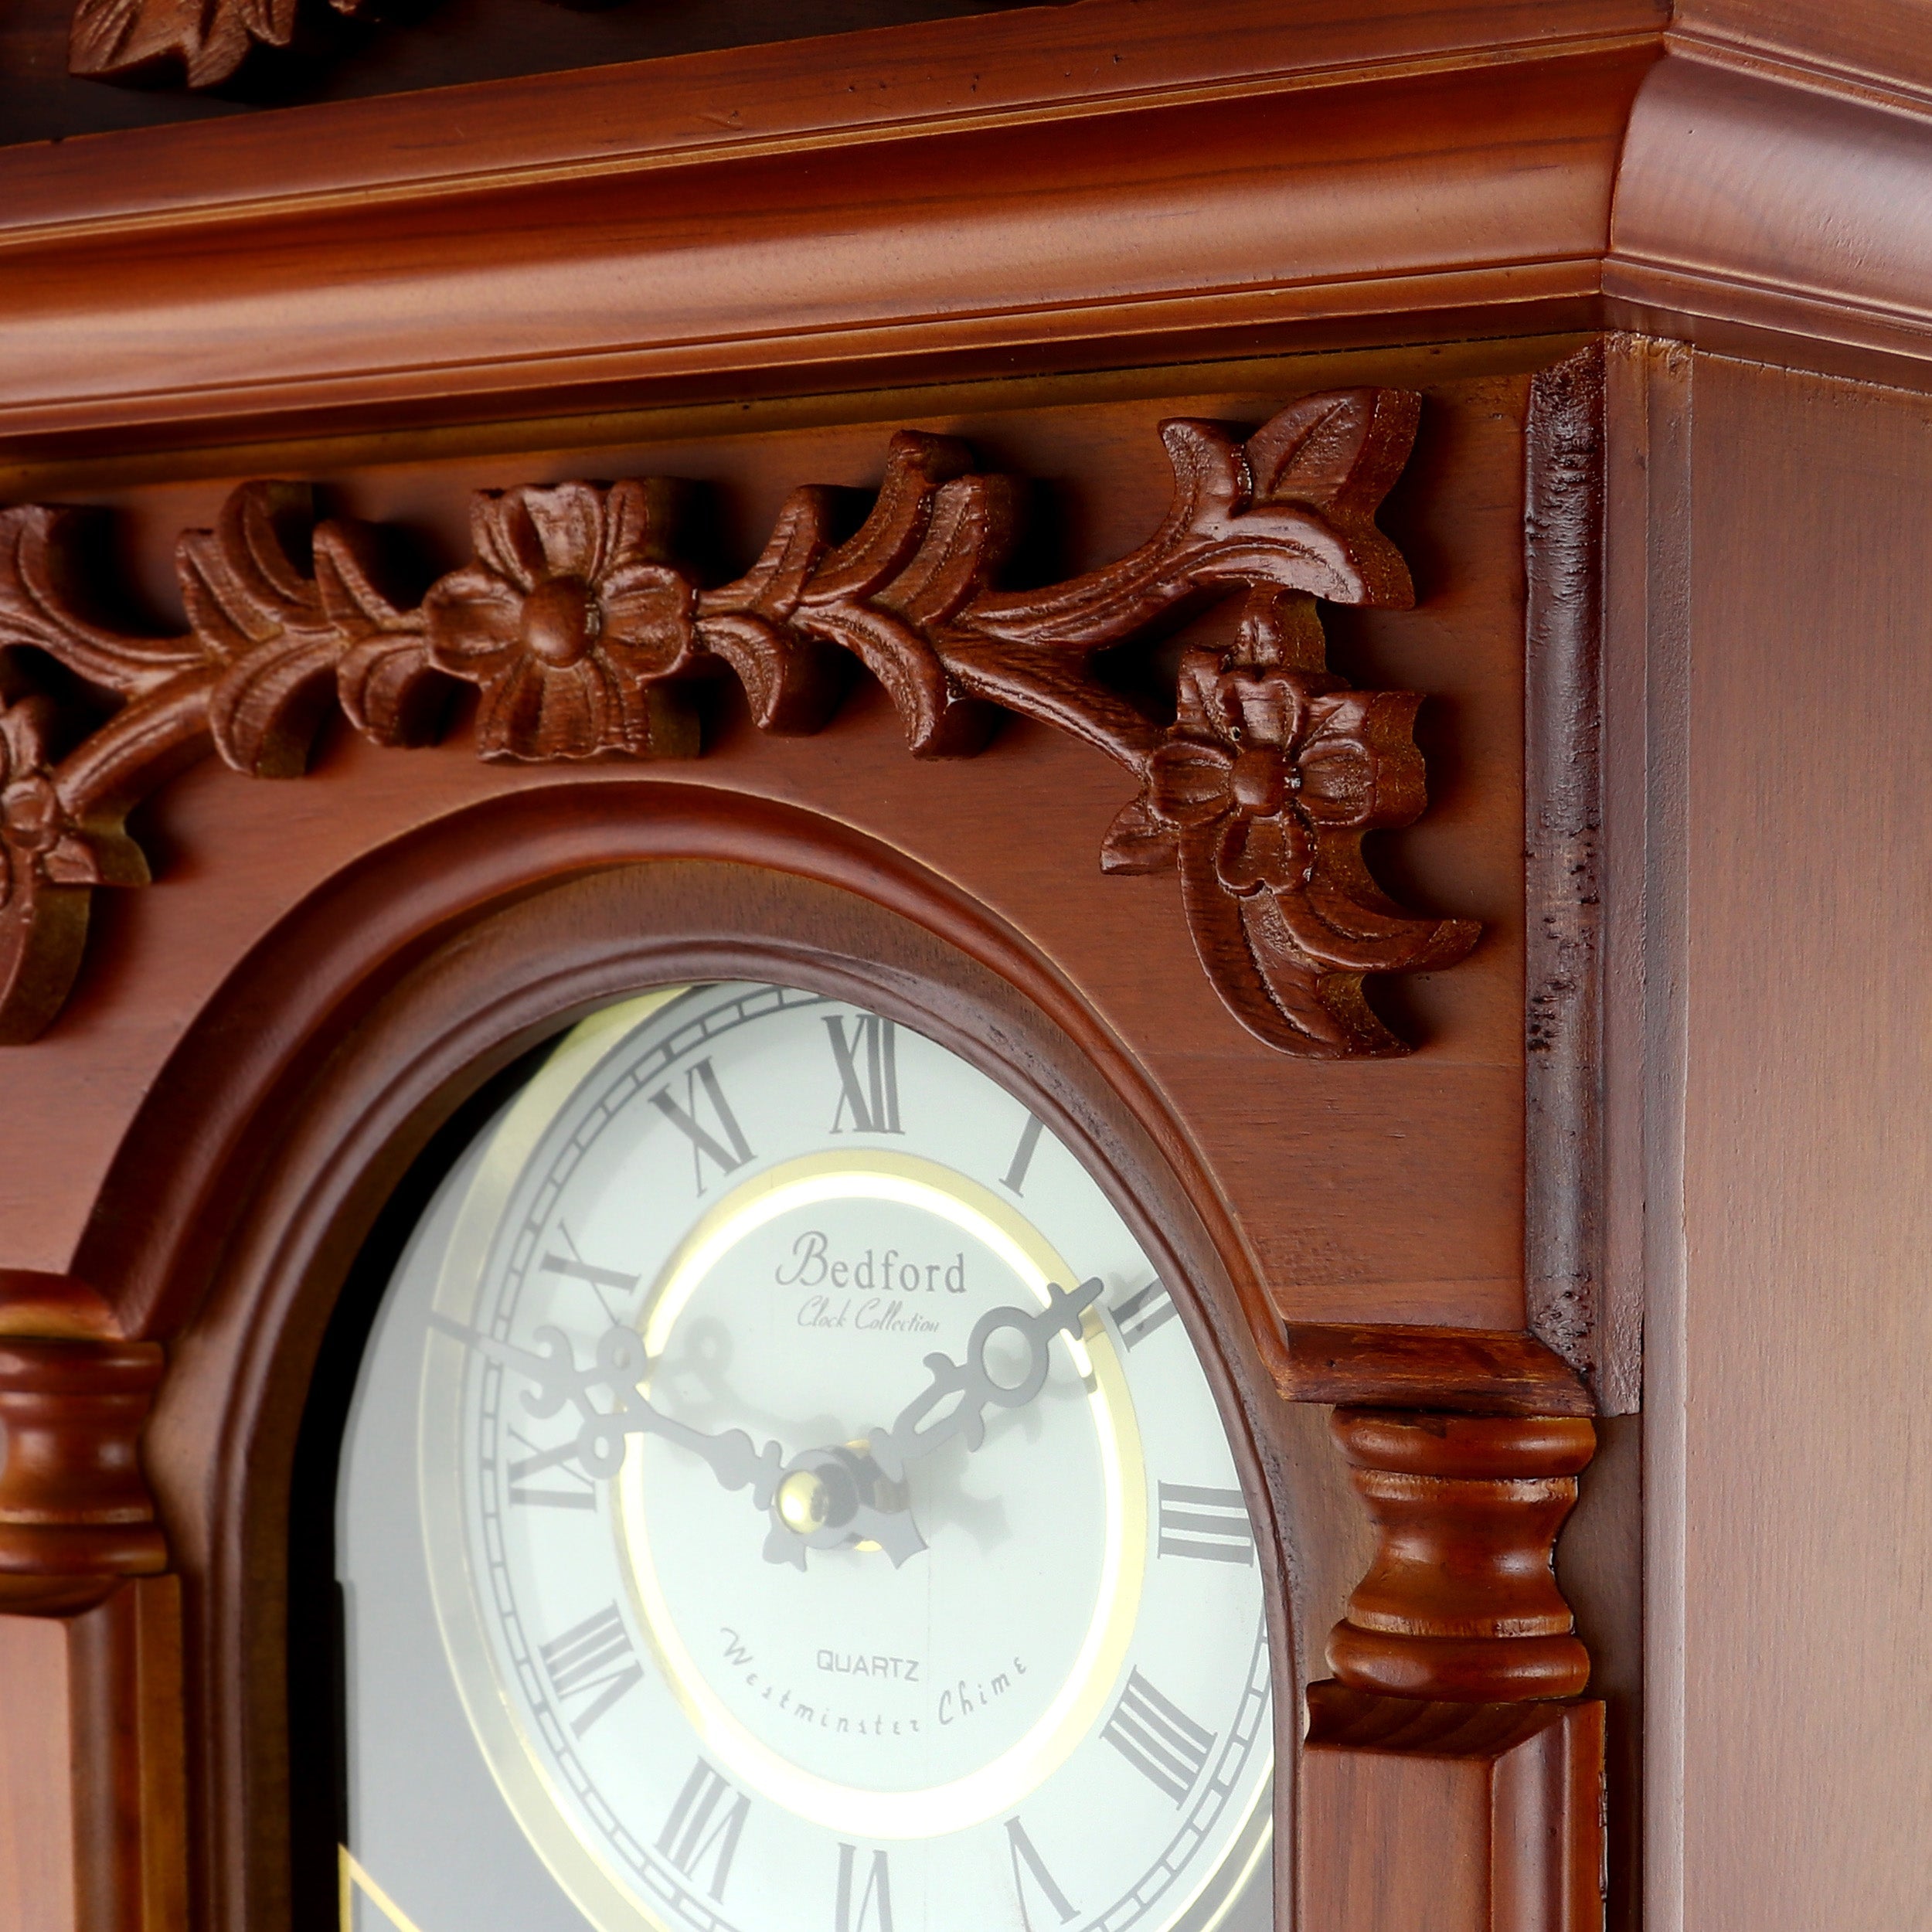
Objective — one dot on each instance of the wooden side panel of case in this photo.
(1418, 1817)
(92, 1834)
(36, 1793)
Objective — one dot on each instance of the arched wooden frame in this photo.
(304, 1091)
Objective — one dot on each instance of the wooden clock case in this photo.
(1657, 277)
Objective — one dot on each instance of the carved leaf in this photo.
(1138, 841)
(39, 605)
(583, 635)
(1342, 451)
(1271, 988)
(239, 585)
(388, 689)
(207, 39)
(259, 618)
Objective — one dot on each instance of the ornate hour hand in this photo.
(832, 1497)
(618, 1369)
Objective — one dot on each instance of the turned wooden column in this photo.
(91, 1827)
(1461, 1601)
(1453, 1719)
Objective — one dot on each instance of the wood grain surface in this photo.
(1506, 1798)
(1091, 186)
(588, 628)
(291, 1151)
(37, 1825)
(1807, 1206)
(1460, 1604)
(1105, 184)
(1411, 1210)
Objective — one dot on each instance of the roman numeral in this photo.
(702, 1094)
(593, 1655)
(1142, 1312)
(1162, 1743)
(1026, 1861)
(582, 1495)
(872, 1095)
(1212, 1524)
(1016, 1175)
(573, 1265)
(875, 1902)
(706, 1819)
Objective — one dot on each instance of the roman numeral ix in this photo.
(706, 1820)
(593, 1655)
(703, 1095)
(870, 1092)
(1211, 1524)
(1160, 1740)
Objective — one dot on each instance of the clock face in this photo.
(779, 1452)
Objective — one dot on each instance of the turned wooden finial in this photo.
(1461, 1603)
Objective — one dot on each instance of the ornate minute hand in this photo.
(974, 1383)
(830, 1496)
(620, 1366)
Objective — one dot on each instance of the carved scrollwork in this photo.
(587, 637)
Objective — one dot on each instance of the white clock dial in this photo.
(828, 1523)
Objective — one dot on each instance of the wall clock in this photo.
(780, 1493)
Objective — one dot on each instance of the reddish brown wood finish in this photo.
(114, 39)
(75, 1511)
(1474, 1370)
(1461, 1604)
(1093, 186)
(1404, 1202)
(586, 637)
(1450, 1818)
(91, 1780)
(1108, 183)
(303, 1139)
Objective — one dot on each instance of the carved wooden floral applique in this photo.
(204, 41)
(587, 637)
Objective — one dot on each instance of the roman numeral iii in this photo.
(1160, 1740)
(1210, 1524)
(705, 1822)
(867, 1065)
(593, 1655)
(722, 1142)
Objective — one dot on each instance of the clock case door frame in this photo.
(373, 1023)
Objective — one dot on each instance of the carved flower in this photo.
(1264, 758)
(565, 620)
(37, 839)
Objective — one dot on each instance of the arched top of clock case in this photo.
(310, 1086)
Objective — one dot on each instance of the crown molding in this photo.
(1112, 184)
